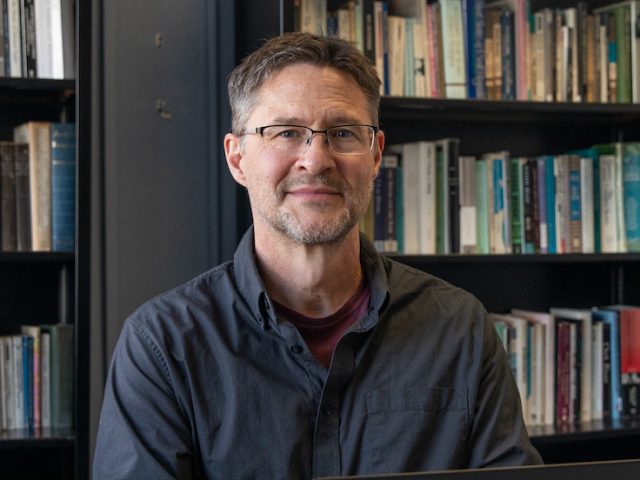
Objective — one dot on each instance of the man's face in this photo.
(317, 196)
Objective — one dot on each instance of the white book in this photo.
(467, 183)
(619, 199)
(596, 373)
(379, 26)
(608, 211)
(410, 197)
(8, 392)
(18, 379)
(45, 379)
(396, 34)
(547, 390)
(15, 37)
(419, 59)
(584, 316)
(455, 70)
(427, 198)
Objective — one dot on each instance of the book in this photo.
(34, 380)
(62, 354)
(482, 207)
(474, 29)
(7, 197)
(23, 197)
(518, 353)
(453, 47)
(63, 187)
(548, 384)
(467, 204)
(517, 205)
(631, 195)
(38, 136)
(418, 189)
(13, 27)
(629, 318)
(583, 317)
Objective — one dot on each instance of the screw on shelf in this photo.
(160, 108)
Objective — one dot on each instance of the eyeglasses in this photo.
(296, 139)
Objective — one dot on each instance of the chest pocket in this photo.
(415, 429)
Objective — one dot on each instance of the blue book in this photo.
(631, 194)
(474, 26)
(63, 187)
(550, 184)
(27, 375)
(610, 318)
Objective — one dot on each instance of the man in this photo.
(309, 354)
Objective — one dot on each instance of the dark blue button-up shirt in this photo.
(206, 382)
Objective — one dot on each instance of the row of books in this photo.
(37, 188)
(37, 38)
(36, 372)
(430, 199)
(491, 49)
(574, 365)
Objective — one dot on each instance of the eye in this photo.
(343, 133)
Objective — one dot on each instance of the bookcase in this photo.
(51, 287)
(502, 282)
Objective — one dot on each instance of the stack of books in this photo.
(574, 365)
(490, 49)
(36, 372)
(430, 199)
(38, 188)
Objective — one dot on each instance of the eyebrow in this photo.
(341, 120)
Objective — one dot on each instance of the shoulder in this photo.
(405, 280)
(187, 310)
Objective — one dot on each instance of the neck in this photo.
(315, 280)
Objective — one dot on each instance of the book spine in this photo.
(63, 182)
(575, 206)
(8, 199)
(452, 147)
(29, 34)
(529, 223)
(606, 371)
(631, 195)
(543, 233)
(22, 192)
(517, 205)
(563, 375)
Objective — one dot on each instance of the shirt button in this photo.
(296, 349)
(327, 410)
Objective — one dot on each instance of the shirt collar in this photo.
(252, 289)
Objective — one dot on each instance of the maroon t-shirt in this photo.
(322, 334)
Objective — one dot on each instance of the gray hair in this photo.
(295, 48)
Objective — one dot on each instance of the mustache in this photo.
(321, 180)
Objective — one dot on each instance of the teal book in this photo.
(63, 187)
(631, 194)
(550, 185)
(482, 205)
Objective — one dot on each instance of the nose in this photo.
(317, 157)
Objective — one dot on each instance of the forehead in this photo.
(304, 90)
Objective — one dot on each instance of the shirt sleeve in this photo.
(143, 432)
(498, 434)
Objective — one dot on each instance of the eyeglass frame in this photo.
(260, 131)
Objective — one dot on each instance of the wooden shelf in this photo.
(596, 429)
(569, 258)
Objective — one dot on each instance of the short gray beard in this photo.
(331, 232)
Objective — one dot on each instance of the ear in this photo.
(377, 153)
(233, 154)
